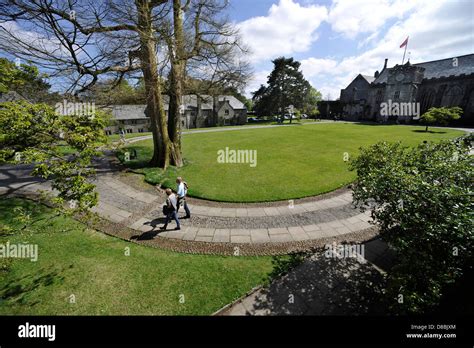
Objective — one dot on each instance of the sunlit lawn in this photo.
(94, 269)
(292, 161)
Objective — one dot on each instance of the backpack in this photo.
(186, 188)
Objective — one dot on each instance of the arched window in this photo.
(452, 96)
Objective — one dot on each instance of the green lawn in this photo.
(93, 267)
(292, 161)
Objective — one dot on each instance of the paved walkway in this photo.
(139, 212)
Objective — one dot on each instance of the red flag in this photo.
(404, 42)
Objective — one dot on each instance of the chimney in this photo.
(376, 74)
(385, 65)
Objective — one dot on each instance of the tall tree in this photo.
(205, 39)
(286, 86)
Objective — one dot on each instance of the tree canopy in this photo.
(286, 86)
(24, 79)
(441, 116)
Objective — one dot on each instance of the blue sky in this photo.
(337, 39)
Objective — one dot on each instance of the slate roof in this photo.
(440, 68)
(128, 112)
(233, 101)
(135, 112)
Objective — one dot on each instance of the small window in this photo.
(226, 112)
(397, 95)
(129, 130)
(140, 130)
(379, 96)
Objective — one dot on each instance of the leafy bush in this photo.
(32, 133)
(421, 200)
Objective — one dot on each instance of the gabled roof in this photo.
(233, 101)
(368, 78)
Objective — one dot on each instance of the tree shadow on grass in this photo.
(17, 291)
(429, 131)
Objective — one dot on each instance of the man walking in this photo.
(172, 210)
(182, 191)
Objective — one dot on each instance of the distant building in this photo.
(199, 111)
(444, 82)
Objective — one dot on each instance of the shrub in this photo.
(421, 200)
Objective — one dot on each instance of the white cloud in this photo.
(289, 27)
(351, 17)
(314, 66)
(437, 30)
(259, 78)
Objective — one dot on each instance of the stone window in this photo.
(129, 130)
(379, 96)
(226, 112)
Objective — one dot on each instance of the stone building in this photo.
(444, 82)
(199, 111)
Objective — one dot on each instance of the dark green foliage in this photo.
(422, 201)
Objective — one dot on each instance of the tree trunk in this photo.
(162, 147)
(178, 69)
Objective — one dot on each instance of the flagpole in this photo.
(403, 60)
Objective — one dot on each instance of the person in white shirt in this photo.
(172, 208)
(182, 191)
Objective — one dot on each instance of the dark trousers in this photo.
(186, 209)
(172, 215)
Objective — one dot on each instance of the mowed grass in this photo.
(94, 269)
(292, 161)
